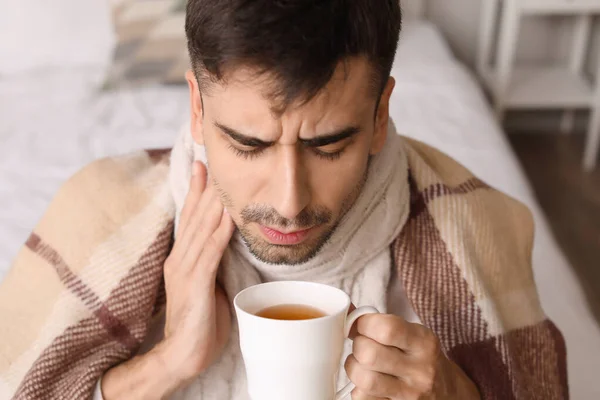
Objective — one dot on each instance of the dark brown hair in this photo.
(298, 43)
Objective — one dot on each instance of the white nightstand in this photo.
(534, 87)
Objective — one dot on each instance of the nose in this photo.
(289, 185)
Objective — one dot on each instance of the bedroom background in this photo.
(84, 80)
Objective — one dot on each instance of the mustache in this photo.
(265, 215)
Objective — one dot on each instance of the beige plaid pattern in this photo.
(151, 43)
(84, 288)
(465, 259)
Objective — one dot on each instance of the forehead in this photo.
(245, 96)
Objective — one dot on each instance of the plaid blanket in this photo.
(86, 285)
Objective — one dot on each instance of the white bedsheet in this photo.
(52, 124)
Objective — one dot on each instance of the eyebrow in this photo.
(331, 138)
(319, 141)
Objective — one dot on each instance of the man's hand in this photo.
(198, 319)
(396, 360)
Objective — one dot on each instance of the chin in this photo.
(286, 255)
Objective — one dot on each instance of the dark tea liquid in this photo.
(291, 312)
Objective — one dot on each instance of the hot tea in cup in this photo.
(292, 336)
(291, 312)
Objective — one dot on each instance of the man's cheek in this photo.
(234, 201)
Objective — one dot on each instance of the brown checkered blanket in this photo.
(84, 288)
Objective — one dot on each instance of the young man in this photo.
(290, 170)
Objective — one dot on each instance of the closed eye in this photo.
(332, 151)
(247, 152)
(327, 155)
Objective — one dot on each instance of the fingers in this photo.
(203, 224)
(393, 331)
(207, 211)
(205, 232)
(372, 383)
(207, 264)
(197, 186)
(379, 358)
(388, 346)
(225, 230)
(216, 244)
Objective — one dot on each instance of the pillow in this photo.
(151, 44)
(42, 34)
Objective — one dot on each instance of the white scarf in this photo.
(356, 259)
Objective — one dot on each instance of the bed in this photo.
(54, 123)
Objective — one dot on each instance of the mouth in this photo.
(285, 238)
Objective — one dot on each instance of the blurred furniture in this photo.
(540, 87)
(151, 45)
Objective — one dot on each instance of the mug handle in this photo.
(350, 320)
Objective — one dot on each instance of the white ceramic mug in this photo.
(294, 360)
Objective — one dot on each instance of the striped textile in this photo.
(84, 288)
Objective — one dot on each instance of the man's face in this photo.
(288, 179)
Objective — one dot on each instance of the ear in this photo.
(382, 117)
(196, 120)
